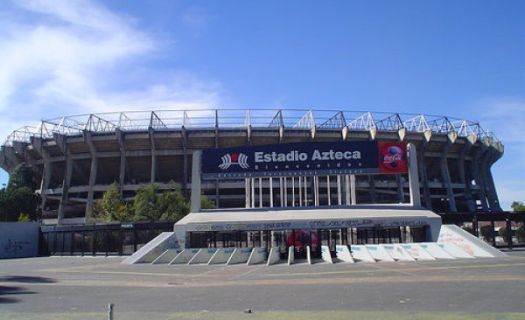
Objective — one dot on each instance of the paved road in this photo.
(81, 287)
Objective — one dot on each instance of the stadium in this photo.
(75, 158)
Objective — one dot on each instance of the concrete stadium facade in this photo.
(76, 158)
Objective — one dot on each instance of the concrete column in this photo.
(492, 196)
(463, 177)
(300, 191)
(413, 177)
(153, 171)
(196, 181)
(352, 189)
(123, 163)
(65, 188)
(347, 189)
(247, 193)
(328, 195)
(252, 192)
(46, 177)
(305, 192)
(271, 191)
(316, 190)
(339, 200)
(445, 176)
(260, 193)
(185, 159)
(92, 177)
(423, 174)
(216, 128)
(285, 191)
(281, 191)
(476, 173)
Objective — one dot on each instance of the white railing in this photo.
(160, 120)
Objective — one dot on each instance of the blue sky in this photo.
(458, 58)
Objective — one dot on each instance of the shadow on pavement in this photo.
(26, 279)
(10, 291)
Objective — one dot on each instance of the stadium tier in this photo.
(75, 158)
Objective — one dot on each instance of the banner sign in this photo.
(304, 159)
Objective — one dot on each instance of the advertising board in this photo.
(305, 159)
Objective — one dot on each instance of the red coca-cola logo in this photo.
(392, 157)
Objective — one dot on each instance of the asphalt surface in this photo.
(81, 288)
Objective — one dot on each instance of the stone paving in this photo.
(81, 288)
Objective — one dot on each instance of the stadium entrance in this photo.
(300, 239)
(298, 215)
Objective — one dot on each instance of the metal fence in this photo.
(492, 227)
(126, 238)
(106, 239)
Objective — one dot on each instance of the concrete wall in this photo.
(19, 239)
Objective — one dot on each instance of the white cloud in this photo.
(64, 57)
(196, 18)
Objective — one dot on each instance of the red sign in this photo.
(392, 157)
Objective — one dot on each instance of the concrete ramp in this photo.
(326, 255)
(221, 256)
(379, 253)
(274, 256)
(239, 255)
(153, 249)
(397, 252)
(258, 255)
(436, 251)
(467, 242)
(291, 255)
(455, 251)
(417, 252)
(361, 254)
(308, 255)
(184, 256)
(167, 256)
(343, 254)
(203, 256)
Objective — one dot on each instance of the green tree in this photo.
(145, 206)
(520, 233)
(15, 200)
(112, 207)
(518, 206)
(23, 217)
(19, 195)
(173, 205)
(207, 203)
(151, 204)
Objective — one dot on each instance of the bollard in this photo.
(110, 311)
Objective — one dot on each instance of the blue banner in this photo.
(291, 159)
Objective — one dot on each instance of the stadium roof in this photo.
(166, 120)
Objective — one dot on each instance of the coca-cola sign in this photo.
(392, 157)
